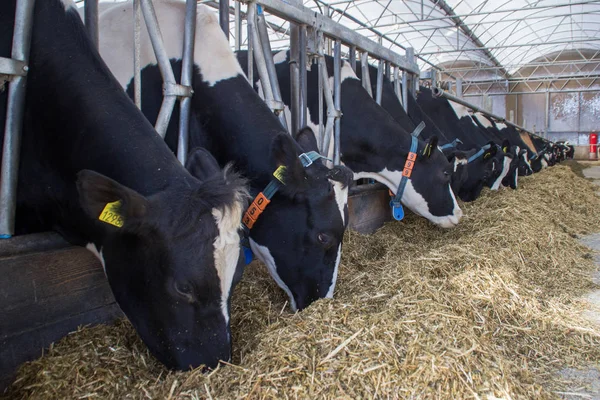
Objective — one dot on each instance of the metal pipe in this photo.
(331, 111)
(352, 57)
(224, 17)
(261, 65)
(164, 115)
(321, 94)
(379, 87)
(437, 92)
(405, 90)
(187, 71)
(302, 15)
(525, 93)
(412, 79)
(157, 42)
(459, 88)
(302, 81)
(238, 26)
(295, 77)
(277, 103)
(91, 20)
(397, 88)
(15, 109)
(137, 63)
(337, 98)
(547, 112)
(366, 77)
(250, 53)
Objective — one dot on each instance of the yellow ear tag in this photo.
(280, 173)
(488, 155)
(426, 150)
(505, 149)
(111, 214)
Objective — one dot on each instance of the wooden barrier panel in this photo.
(48, 289)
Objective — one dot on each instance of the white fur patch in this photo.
(461, 111)
(335, 273)
(505, 168)
(98, 253)
(500, 125)
(341, 197)
(264, 255)
(227, 249)
(483, 120)
(460, 161)
(212, 53)
(412, 199)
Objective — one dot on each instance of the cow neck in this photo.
(73, 94)
(230, 112)
(367, 121)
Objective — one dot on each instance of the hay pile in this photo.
(486, 310)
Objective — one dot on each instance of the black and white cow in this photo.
(484, 160)
(299, 235)
(93, 169)
(375, 146)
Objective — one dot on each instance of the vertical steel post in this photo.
(295, 75)
(388, 70)
(352, 57)
(91, 20)
(11, 148)
(302, 81)
(433, 78)
(224, 17)
(327, 12)
(261, 65)
(405, 90)
(366, 77)
(187, 70)
(397, 88)
(238, 25)
(164, 65)
(337, 98)
(267, 57)
(137, 67)
(413, 80)
(547, 111)
(459, 88)
(250, 35)
(321, 94)
(379, 87)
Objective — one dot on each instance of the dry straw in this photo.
(487, 310)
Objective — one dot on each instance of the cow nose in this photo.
(459, 213)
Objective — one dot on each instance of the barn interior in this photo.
(504, 305)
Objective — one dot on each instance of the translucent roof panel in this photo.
(504, 35)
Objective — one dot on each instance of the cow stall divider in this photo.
(312, 36)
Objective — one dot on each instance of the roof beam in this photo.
(470, 34)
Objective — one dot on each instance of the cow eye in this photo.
(184, 289)
(447, 173)
(325, 240)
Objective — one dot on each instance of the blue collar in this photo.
(478, 154)
(411, 158)
(453, 143)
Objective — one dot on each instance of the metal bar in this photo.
(337, 98)
(157, 43)
(277, 104)
(224, 17)
(303, 15)
(137, 67)
(261, 65)
(321, 94)
(352, 57)
(8, 66)
(405, 90)
(547, 112)
(15, 109)
(250, 53)
(187, 71)
(379, 87)
(295, 70)
(303, 84)
(510, 46)
(437, 92)
(397, 89)
(521, 93)
(164, 115)
(366, 77)
(91, 20)
(238, 26)
(412, 79)
(459, 88)
(331, 111)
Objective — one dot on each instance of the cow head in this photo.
(428, 191)
(512, 177)
(171, 263)
(299, 235)
(483, 168)
(524, 164)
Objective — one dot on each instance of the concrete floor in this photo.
(587, 381)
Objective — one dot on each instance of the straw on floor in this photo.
(490, 309)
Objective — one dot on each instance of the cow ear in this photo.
(201, 164)
(284, 153)
(107, 200)
(341, 174)
(491, 152)
(307, 140)
(430, 146)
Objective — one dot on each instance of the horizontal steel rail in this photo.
(303, 15)
(437, 92)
